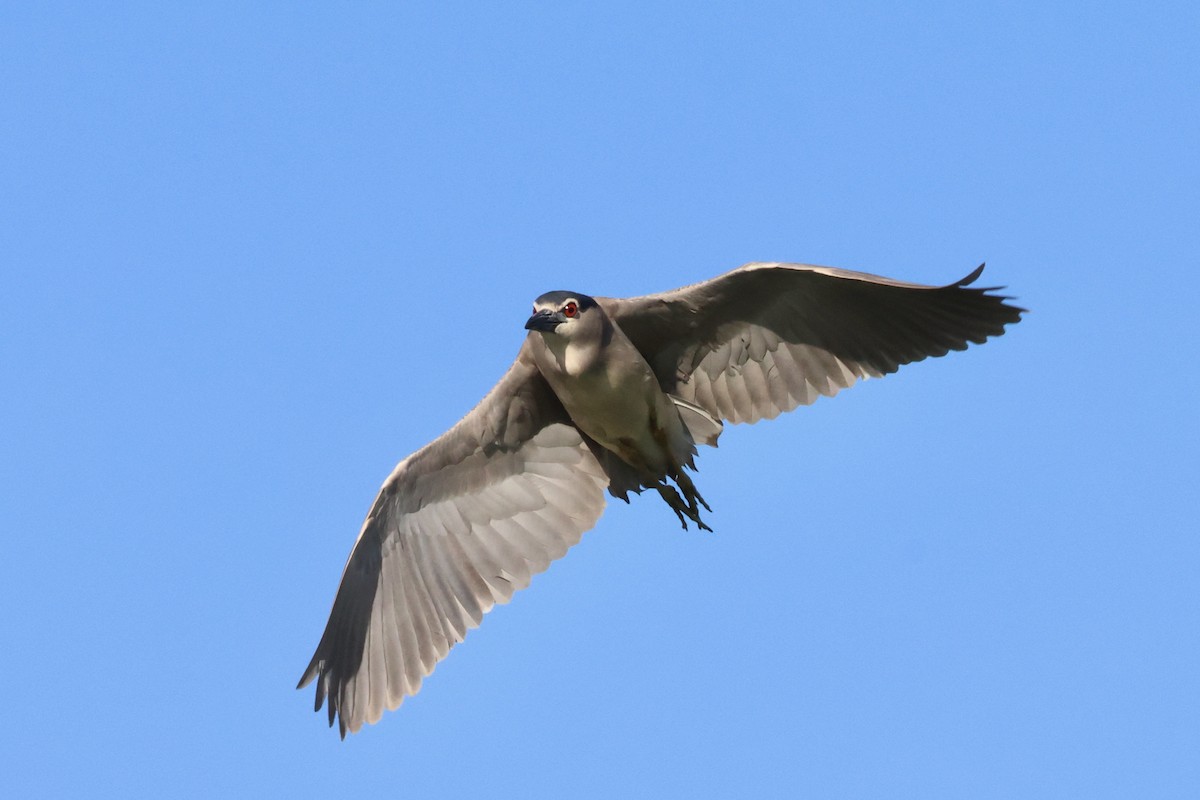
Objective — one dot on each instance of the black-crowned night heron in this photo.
(606, 393)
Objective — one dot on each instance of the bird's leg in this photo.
(673, 499)
(684, 510)
(691, 493)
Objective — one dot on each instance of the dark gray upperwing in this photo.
(458, 527)
(768, 337)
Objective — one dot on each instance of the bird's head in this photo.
(563, 314)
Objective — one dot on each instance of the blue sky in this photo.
(252, 257)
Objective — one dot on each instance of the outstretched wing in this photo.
(458, 527)
(765, 338)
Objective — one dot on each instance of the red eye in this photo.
(570, 309)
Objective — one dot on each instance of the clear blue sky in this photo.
(250, 258)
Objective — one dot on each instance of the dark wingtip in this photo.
(1014, 312)
(320, 697)
(974, 276)
(312, 670)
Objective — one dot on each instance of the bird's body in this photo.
(615, 400)
(613, 394)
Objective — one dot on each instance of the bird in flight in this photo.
(605, 394)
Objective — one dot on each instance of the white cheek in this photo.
(574, 360)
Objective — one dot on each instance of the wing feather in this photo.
(766, 338)
(457, 527)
